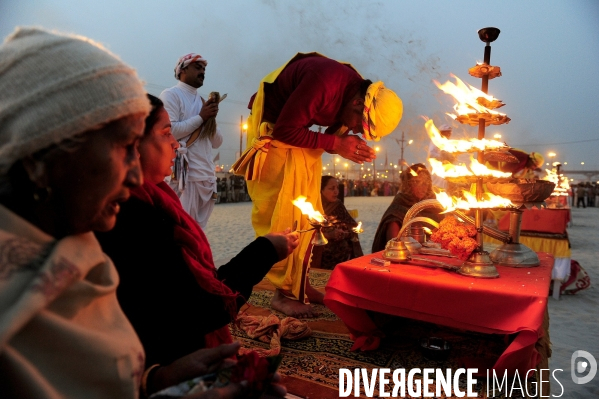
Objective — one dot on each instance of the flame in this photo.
(358, 228)
(308, 209)
(413, 172)
(466, 97)
(562, 185)
(445, 169)
(469, 201)
(469, 145)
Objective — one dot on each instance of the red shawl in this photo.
(188, 235)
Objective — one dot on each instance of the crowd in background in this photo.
(232, 188)
(369, 188)
(585, 194)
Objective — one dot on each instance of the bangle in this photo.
(146, 376)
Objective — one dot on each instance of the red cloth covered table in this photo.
(544, 220)
(514, 303)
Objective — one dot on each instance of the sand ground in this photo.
(574, 319)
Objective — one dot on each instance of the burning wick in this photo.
(315, 218)
(308, 210)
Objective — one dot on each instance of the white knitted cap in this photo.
(55, 86)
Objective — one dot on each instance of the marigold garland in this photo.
(456, 237)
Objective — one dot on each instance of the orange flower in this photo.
(456, 237)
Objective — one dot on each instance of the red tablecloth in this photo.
(513, 303)
(544, 220)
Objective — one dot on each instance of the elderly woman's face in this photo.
(420, 190)
(157, 149)
(89, 184)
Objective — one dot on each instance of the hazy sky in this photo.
(548, 52)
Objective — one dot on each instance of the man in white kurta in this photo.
(187, 112)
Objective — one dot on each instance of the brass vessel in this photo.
(396, 251)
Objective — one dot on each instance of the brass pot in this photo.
(396, 251)
(417, 232)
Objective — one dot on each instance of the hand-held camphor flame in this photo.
(308, 209)
(469, 202)
(358, 229)
(469, 99)
(454, 146)
(446, 169)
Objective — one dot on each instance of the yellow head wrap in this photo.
(382, 111)
(537, 159)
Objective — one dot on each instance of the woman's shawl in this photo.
(195, 250)
(62, 331)
(330, 209)
(340, 251)
(396, 213)
(404, 200)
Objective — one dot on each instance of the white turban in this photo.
(187, 59)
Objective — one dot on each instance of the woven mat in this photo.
(310, 367)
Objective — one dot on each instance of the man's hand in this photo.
(209, 109)
(353, 148)
(284, 242)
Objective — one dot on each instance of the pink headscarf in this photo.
(187, 59)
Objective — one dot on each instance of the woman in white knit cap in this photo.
(71, 115)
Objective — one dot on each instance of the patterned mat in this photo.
(311, 366)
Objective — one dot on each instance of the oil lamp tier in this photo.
(499, 156)
(480, 70)
(522, 191)
(473, 179)
(490, 119)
